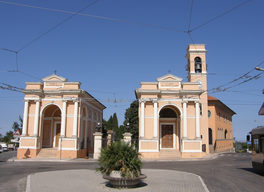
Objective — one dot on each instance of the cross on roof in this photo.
(55, 72)
(169, 71)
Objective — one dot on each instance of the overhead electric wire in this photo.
(95, 16)
(190, 16)
(57, 25)
(220, 15)
(245, 75)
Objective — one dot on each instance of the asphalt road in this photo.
(227, 172)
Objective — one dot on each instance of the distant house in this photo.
(59, 119)
(179, 119)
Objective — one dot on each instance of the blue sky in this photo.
(111, 57)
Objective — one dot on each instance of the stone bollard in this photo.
(127, 138)
(97, 144)
(109, 137)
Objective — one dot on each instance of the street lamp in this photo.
(259, 69)
(98, 128)
(127, 127)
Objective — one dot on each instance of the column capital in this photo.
(142, 100)
(64, 100)
(37, 100)
(184, 101)
(26, 100)
(196, 101)
(76, 100)
(155, 100)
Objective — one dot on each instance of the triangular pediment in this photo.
(54, 78)
(170, 78)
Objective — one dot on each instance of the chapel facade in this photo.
(59, 118)
(173, 115)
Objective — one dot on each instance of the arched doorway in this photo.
(169, 128)
(51, 127)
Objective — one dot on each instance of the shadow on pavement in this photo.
(141, 184)
(252, 170)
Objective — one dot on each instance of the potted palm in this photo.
(121, 165)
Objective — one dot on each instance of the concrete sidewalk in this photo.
(87, 180)
(208, 157)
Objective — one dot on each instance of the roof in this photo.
(220, 104)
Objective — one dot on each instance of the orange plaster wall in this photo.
(147, 86)
(224, 144)
(68, 144)
(191, 128)
(149, 110)
(189, 87)
(150, 155)
(190, 109)
(69, 126)
(31, 108)
(71, 86)
(27, 142)
(192, 146)
(30, 125)
(70, 108)
(149, 145)
(34, 86)
(66, 154)
(148, 128)
(26, 153)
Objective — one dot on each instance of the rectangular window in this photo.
(256, 145)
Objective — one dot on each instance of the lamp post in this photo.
(98, 128)
(127, 127)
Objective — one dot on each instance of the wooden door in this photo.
(58, 129)
(167, 136)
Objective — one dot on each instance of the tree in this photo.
(131, 117)
(18, 126)
(8, 136)
(115, 123)
(110, 123)
(1, 137)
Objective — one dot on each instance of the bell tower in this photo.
(197, 73)
(196, 64)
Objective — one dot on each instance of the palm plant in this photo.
(120, 156)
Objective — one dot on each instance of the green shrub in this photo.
(120, 156)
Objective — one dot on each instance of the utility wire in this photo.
(56, 25)
(220, 15)
(95, 16)
(190, 17)
(235, 80)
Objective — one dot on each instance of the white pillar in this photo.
(36, 121)
(63, 118)
(97, 144)
(155, 128)
(197, 120)
(142, 119)
(75, 119)
(25, 118)
(184, 133)
(86, 133)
